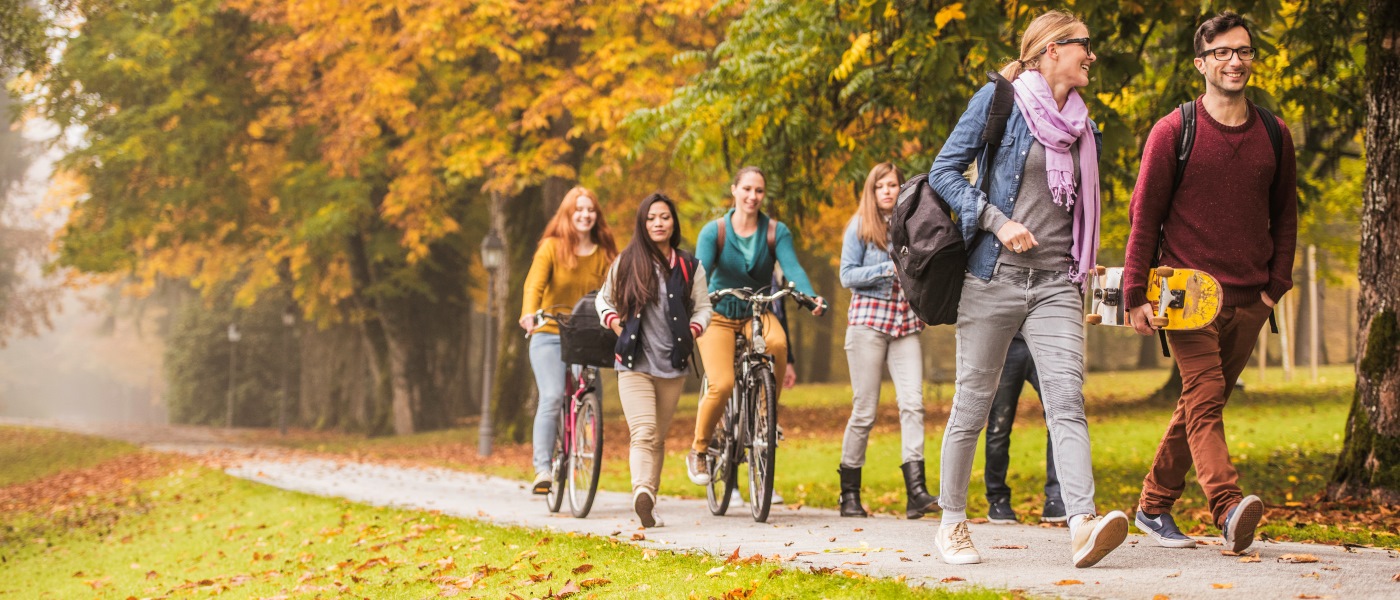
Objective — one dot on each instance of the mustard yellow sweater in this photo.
(555, 287)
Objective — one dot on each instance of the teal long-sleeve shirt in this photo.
(746, 262)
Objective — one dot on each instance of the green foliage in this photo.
(198, 354)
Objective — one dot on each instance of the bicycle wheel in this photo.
(559, 463)
(586, 454)
(763, 443)
(724, 472)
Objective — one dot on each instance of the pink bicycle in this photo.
(577, 457)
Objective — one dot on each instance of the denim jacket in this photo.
(865, 268)
(963, 146)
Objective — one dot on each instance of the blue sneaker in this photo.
(1162, 529)
(1241, 521)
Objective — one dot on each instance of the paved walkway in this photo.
(1024, 557)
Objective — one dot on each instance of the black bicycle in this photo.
(748, 430)
(577, 457)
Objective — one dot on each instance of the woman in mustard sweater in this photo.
(573, 257)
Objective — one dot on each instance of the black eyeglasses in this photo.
(1081, 41)
(1246, 53)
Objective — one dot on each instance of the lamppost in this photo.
(233, 336)
(493, 257)
(289, 322)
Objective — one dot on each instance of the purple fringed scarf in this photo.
(1058, 129)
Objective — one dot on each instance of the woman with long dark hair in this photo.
(656, 298)
(572, 258)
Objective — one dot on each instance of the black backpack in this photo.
(930, 256)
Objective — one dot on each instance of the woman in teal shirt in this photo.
(753, 244)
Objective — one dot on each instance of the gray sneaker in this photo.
(1163, 530)
(1241, 521)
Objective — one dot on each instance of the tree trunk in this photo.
(1369, 465)
(1170, 392)
(1149, 349)
(826, 284)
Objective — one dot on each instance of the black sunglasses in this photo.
(1081, 41)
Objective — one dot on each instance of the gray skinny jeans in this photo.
(867, 352)
(1047, 308)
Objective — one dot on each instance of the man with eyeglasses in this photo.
(1232, 212)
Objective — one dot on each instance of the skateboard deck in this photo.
(1182, 299)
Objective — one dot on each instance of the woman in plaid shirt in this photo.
(880, 329)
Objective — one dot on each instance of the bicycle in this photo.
(748, 429)
(577, 457)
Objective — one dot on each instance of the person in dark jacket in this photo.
(656, 299)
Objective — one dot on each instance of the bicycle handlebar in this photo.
(750, 296)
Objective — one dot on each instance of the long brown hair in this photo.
(873, 228)
(1051, 26)
(561, 229)
(634, 281)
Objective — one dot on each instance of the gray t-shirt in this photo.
(657, 341)
(1050, 223)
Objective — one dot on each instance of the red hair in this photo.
(561, 228)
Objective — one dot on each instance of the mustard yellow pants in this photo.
(717, 351)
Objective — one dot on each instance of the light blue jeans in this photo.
(549, 379)
(1047, 309)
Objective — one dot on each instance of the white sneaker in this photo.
(543, 481)
(1092, 538)
(644, 503)
(955, 545)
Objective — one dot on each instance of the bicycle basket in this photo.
(582, 338)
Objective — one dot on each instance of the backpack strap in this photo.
(773, 237)
(1003, 102)
(719, 241)
(1275, 138)
(1185, 142)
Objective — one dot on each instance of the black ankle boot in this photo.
(850, 493)
(918, 501)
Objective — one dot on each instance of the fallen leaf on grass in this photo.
(1069, 582)
(540, 577)
(822, 570)
(1297, 558)
(637, 537)
(1009, 547)
(595, 582)
(715, 571)
(1222, 586)
(649, 554)
(581, 569)
(775, 573)
(951, 579)
(570, 588)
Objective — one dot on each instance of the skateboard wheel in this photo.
(1159, 322)
(1100, 270)
(1165, 271)
(1094, 319)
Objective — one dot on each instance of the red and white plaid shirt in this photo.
(891, 317)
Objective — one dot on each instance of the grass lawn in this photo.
(195, 532)
(28, 453)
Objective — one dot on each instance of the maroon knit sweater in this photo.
(1222, 219)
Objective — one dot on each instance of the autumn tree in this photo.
(1370, 461)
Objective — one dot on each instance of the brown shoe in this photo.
(696, 468)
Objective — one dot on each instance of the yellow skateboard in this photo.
(1181, 299)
